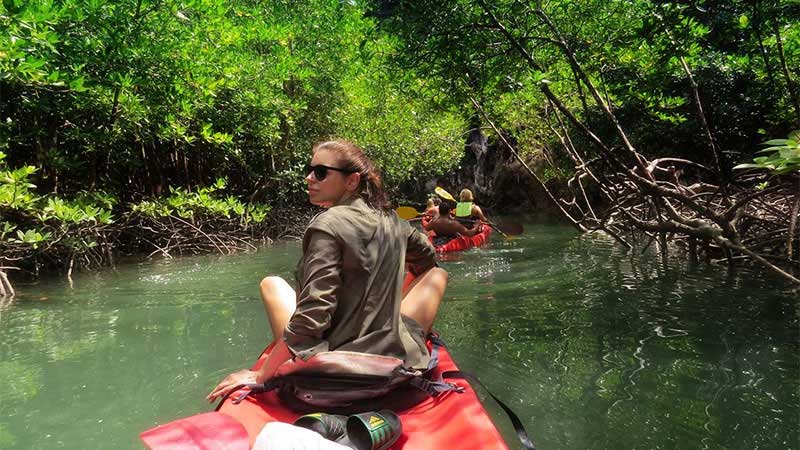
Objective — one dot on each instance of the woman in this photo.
(466, 207)
(350, 294)
(445, 228)
(431, 208)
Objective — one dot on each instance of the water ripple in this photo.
(593, 346)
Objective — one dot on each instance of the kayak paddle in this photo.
(408, 212)
(444, 194)
(506, 229)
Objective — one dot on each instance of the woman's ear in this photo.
(352, 181)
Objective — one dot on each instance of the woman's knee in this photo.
(439, 274)
(276, 291)
(437, 277)
(272, 284)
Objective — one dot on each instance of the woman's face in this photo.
(334, 186)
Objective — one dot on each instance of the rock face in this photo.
(501, 184)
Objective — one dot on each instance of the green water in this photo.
(594, 348)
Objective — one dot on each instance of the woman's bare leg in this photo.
(422, 297)
(280, 301)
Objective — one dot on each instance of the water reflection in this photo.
(594, 346)
(638, 353)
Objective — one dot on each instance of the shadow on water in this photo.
(593, 347)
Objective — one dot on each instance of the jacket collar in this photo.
(354, 200)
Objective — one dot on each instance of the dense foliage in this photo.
(137, 96)
(643, 56)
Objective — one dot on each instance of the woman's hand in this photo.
(279, 354)
(231, 382)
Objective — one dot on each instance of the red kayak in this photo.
(463, 242)
(451, 420)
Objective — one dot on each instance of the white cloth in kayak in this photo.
(284, 436)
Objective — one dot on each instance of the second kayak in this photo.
(461, 242)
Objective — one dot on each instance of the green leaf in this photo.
(743, 21)
(748, 166)
(775, 142)
(76, 85)
(771, 149)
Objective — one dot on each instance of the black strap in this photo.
(518, 427)
(522, 435)
(250, 388)
(436, 344)
(434, 387)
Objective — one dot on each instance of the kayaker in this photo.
(432, 208)
(466, 209)
(447, 228)
(349, 278)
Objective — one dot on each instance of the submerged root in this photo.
(73, 247)
(745, 221)
(169, 236)
(6, 290)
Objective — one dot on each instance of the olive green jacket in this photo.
(349, 285)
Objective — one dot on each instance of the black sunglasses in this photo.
(320, 171)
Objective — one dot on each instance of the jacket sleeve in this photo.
(316, 299)
(420, 254)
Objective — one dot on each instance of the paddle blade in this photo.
(444, 194)
(407, 212)
(207, 431)
(510, 228)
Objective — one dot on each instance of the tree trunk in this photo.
(762, 49)
(567, 50)
(581, 95)
(718, 158)
(789, 82)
